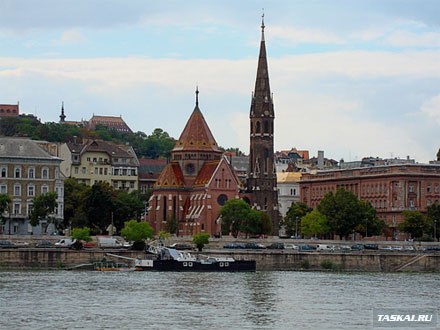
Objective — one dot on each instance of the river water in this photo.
(260, 300)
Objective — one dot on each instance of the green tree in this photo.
(5, 205)
(99, 206)
(234, 213)
(200, 240)
(42, 207)
(74, 201)
(81, 234)
(293, 216)
(126, 206)
(314, 224)
(370, 225)
(415, 223)
(433, 214)
(343, 212)
(136, 231)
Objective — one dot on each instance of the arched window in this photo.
(266, 127)
(258, 128)
(44, 173)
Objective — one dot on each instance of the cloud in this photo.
(431, 108)
(71, 37)
(410, 39)
(316, 104)
(299, 35)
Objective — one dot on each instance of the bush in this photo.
(328, 264)
(305, 264)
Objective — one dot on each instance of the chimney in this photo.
(320, 160)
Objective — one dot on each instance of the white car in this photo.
(291, 246)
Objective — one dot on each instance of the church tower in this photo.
(62, 116)
(261, 176)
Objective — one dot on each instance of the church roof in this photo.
(196, 136)
(171, 176)
(206, 172)
(116, 123)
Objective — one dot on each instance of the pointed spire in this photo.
(262, 26)
(197, 96)
(62, 116)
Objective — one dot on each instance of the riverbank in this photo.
(364, 261)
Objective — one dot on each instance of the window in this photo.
(44, 173)
(105, 171)
(17, 172)
(411, 188)
(44, 189)
(76, 169)
(31, 190)
(83, 170)
(132, 184)
(3, 189)
(29, 209)
(17, 190)
(17, 208)
(31, 173)
(4, 172)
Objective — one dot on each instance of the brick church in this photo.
(199, 179)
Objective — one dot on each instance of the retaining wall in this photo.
(266, 260)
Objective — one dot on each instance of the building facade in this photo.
(100, 161)
(261, 180)
(27, 171)
(390, 189)
(195, 184)
(288, 190)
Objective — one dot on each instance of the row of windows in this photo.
(30, 189)
(17, 208)
(31, 172)
(104, 171)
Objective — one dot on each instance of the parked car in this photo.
(254, 246)
(65, 242)
(325, 247)
(291, 246)
(307, 247)
(276, 246)
(45, 244)
(386, 248)
(181, 246)
(371, 247)
(432, 248)
(234, 246)
(345, 248)
(358, 247)
(5, 244)
(397, 248)
(21, 244)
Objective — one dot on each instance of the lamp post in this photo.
(296, 227)
(435, 230)
(366, 227)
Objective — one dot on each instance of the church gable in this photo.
(224, 176)
(205, 173)
(171, 176)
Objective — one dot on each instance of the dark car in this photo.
(276, 246)
(371, 247)
(45, 244)
(254, 246)
(306, 247)
(234, 246)
(357, 247)
(181, 246)
(4, 244)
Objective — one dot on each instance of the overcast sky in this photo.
(352, 78)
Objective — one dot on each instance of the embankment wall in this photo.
(32, 258)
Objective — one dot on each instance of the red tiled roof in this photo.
(196, 135)
(171, 176)
(205, 173)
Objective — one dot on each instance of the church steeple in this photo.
(261, 176)
(62, 116)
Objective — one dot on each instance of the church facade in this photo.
(261, 177)
(195, 184)
(199, 179)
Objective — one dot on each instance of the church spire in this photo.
(62, 116)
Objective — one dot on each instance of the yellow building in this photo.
(100, 161)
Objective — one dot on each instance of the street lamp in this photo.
(366, 227)
(296, 227)
(435, 230)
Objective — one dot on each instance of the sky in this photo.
(352, 78)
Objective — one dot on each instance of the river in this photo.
(260, 300)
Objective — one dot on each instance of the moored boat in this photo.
(167, 259)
